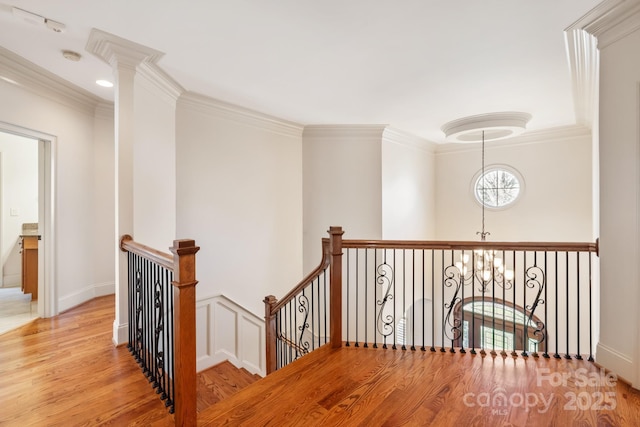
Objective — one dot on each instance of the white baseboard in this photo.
(86, 294)
(120, 333)
(227, 331)
(615, 361)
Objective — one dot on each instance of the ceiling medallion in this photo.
(491, 127)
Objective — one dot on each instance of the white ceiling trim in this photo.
(41, 82)
(105, 110)
(542, 136)
(397, 136)
(610, 21)
(245, 116)
(117, 51)
(344, 132)
(160, 80)
(584, 63)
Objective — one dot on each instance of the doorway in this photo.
(26, 187)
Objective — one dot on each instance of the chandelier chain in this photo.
(483, 234)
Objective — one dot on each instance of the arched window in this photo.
(492, 324)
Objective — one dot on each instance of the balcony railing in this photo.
(518, 299)
(161, 309)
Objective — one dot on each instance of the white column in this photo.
(124, 106)
(124, 56)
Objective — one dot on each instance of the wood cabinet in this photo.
(30, 266)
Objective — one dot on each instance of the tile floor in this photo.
(16, 308)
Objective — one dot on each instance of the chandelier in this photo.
(485, 266)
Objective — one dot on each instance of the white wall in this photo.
(239, 195)
(619, 346)
(72, 122)
(44, 105)
(104, 200)
(408, 187)
(19, 180)
(342, 168)
(556, 204)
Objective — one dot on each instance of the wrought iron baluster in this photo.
(545, 354)
(567, 354)
(413, 298)
(348, 306)
(590, 310)
(578, 353)
(433, 299)
(375, 298)
(357, 344)
(385, 322)
(556, 355)
(366, 298)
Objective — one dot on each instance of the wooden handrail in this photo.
(471, 245)
(332, 251)
(127, 244)
(272, 305)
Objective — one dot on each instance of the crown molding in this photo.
(35, 79)
(584, 65)
(610, 21)
(160, 80)
(344, 132)
(235, 113)
(542, 136)
(397, 136)
(105, 110)
(117, 51)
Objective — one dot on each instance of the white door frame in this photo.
(47, 291)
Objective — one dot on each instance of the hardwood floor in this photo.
(65, 371)
(376, 387)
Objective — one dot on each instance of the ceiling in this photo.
(411, 64)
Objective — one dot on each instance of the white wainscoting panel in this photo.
(227, 331)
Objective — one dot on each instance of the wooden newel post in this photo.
(270, 333)
(335, 286)
(184, 300)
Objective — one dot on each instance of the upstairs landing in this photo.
(373, 387)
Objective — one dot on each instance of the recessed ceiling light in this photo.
(104, 83)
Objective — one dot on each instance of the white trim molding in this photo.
(584, 63)
(235, 113)
(610, 21)
(27, 75)
(158, 79)
(619, 363)
(344, 132)
(115, 50)
(397, 136)
(86, 294)
(227, 331)
(532, 137)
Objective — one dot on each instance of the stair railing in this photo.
(162, 321)
(508, 298)
(309, 314)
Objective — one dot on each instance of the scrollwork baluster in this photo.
(384, 323)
